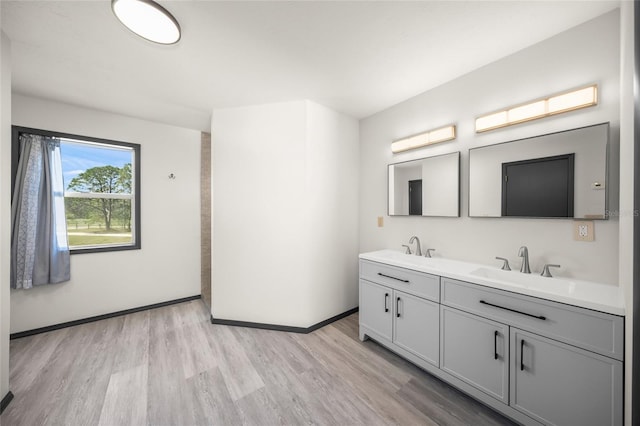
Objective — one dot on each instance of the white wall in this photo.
(331, 191)
(258, 234)
(168, 265)
(284, 213)
(5, 208)
(627, 188)
(588, 53)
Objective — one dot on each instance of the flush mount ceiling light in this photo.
(430, 137)
(552, 105)
(147, 19)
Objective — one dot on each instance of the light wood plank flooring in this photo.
(170, 366)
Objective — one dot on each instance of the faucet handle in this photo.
(407, 249)
(428, 252)
(545, 270)
(505, 263)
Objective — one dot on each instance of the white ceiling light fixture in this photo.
(147, 19)
(552, 105)
(430, 137)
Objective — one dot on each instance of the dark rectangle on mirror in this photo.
(415, 197)
(540, 187)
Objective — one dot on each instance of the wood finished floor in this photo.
(171, 366)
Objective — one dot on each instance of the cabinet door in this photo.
(417, 326)
(375, 308)
(559, 384)
(476, 350)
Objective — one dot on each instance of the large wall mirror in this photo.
(425, 187)
(557, 175)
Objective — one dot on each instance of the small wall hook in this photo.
(172, 176)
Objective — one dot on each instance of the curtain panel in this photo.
(39, 246)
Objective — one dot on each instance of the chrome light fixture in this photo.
(147, 19)
(552, 105)
(441, 134)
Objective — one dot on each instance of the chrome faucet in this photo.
(418, 248)
(524, 254)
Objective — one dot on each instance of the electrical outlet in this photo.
(583, 230)
(380, 221)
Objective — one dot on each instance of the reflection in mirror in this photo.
(556, 175)
(425, 187)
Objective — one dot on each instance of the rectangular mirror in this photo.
(557, 175)
(425, 187)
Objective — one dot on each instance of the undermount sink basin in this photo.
(531, 281)
(428, 262)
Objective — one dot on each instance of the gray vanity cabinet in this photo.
(475, 350)
(538, 361)
(559, 384)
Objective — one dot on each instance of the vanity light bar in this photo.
(430, 137)
(556, 104)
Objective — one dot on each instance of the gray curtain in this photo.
(39, 246)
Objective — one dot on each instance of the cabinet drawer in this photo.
(413, 282)
(592, 330)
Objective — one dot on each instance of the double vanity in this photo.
(540, 350)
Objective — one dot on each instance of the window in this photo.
(102, 190)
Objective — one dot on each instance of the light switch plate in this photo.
(380, 221)
(583, 230)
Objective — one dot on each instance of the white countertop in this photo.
(586, 294)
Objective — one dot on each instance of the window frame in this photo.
(136, 234)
